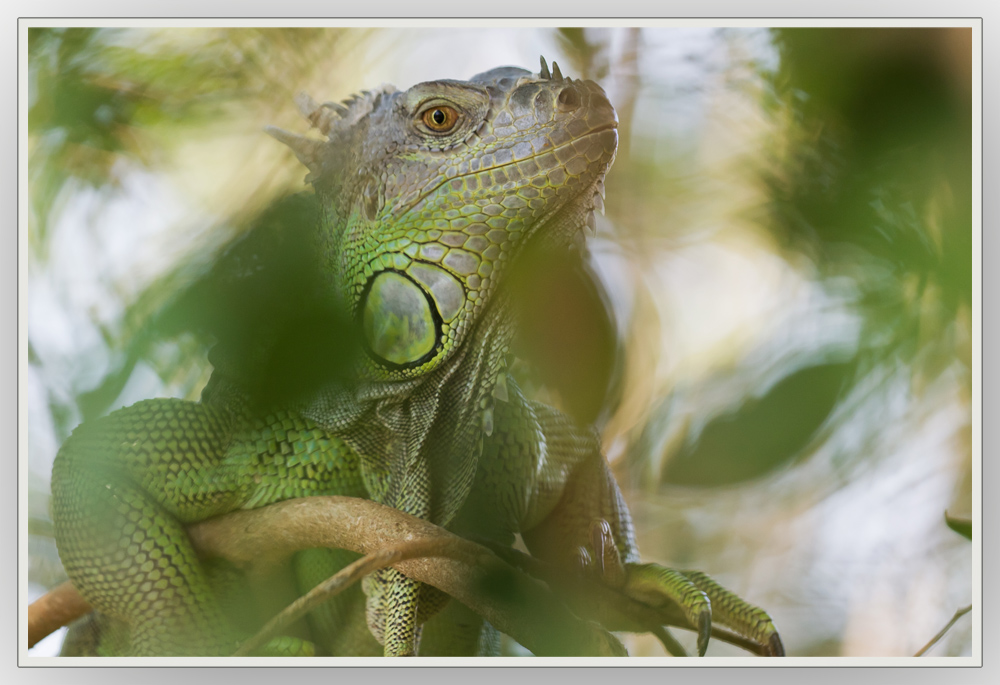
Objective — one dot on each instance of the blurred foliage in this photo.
(106, 102)
(589, 55)
(879, 161)
(765, 432)
(962, 526)
(267, 306)
(869, 180)
(863, 189)
(869, 176)
(567, 346)
(98, 96)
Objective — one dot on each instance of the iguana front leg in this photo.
(543, 476)
(590, 527)
(125, 485)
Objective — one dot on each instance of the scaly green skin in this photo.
(419, 225)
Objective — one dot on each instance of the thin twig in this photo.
(934, 640)
(339, 582)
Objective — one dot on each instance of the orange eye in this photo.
(440, 118)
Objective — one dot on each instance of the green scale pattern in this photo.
(124, 485)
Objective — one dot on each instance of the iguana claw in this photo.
(775, 648)
(704, 631)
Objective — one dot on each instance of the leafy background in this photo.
(785, 261)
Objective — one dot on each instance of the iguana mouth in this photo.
(595, 189)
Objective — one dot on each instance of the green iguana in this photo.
(427, 195)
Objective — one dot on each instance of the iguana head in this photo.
(430, 193)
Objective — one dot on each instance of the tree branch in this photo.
(58, 607)
(514, 603)
(492, 586)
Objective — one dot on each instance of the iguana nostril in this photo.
(568, 99)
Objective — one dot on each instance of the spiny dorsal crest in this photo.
(555, 75)
(330, 118)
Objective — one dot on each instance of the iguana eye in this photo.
(440, 118)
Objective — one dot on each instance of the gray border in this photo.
(581, 8)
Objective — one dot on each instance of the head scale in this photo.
(429, 193)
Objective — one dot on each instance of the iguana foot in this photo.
(742, 617)
(701, 600)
